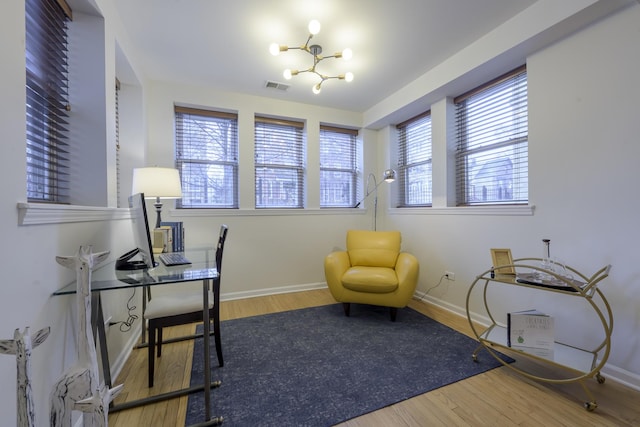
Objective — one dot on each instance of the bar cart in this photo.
(581, 364)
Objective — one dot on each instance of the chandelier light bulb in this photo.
(314, 27)
(315, 50)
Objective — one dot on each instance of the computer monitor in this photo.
(141, 237)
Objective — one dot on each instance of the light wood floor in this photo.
(499, 397)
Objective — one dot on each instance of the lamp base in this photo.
(158, 205)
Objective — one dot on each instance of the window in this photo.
(47, 100)
(207, 158)
(492, 165)
(279, 163)
(414, 161)
(338, 167)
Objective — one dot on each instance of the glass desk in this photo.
(106, 278)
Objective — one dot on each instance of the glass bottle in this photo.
(546, 254)
(546, 259)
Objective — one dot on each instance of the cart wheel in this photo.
(600, 378)
(590, 406)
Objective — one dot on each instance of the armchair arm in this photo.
(335, 265)
(407, 270)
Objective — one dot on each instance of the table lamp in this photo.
(157, 183)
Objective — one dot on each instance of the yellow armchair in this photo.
(373, 270)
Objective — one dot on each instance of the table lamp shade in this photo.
(156, 182)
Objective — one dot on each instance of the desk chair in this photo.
(172, 310)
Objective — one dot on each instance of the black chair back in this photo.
(220, 247)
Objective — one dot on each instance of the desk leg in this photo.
(100, 335)
(206, 284)
(145, 291)
(206, 386)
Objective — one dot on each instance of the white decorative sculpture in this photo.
(79, 387)
(21, 346)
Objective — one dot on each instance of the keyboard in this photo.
(173, 258)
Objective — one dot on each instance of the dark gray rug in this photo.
(317, 367)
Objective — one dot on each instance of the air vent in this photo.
(275, 85)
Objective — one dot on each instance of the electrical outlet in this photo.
(449, 275)
(107, 322)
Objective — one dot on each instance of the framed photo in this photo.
(502, 257)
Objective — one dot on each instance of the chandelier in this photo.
(315, 51)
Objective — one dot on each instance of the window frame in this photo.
(47, 101)
(281, 132)
(229, 161)
(342, 140)
(408, 142)
(489, 138)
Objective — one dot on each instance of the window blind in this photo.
(415, 162)
(339, 176)
(207, 158)
(492, 165)
(47, 103)
(279, 163)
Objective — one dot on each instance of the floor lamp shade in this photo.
(157, 183)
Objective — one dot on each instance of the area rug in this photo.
(317, 367)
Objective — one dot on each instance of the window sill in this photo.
(509, 210)
(263, 212)
(498, 210)
(44, 213)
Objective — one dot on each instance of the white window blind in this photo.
(207, 158)
(415, 162)
(47, 101)
(492, 165)
(338, 167)
(279, 163)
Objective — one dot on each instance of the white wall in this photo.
(583, 149)
(30, 272)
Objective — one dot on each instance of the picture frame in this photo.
(502, 256)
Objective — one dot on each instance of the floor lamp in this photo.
(157, 183)
(388, 176)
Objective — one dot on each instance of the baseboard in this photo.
(609, 371)
(228, 296)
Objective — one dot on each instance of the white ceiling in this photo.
(225, 44)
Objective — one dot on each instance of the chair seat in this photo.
(164, 306)
(380, 280)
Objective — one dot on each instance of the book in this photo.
(530, 328)
(177, 233)
(161, 240)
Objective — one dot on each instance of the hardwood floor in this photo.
(499, 397)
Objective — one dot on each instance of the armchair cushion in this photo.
(378, 249)
(379, 280)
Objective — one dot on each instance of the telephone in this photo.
(125, 263)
